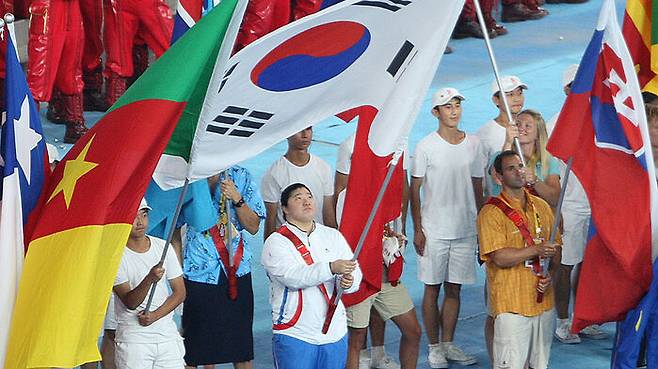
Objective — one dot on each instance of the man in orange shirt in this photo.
(514, 229)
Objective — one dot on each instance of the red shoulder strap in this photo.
(515, 217)
(306, 255)
(299, 245)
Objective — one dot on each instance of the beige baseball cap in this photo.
(144, 205)
(444, 95)
(510, 83)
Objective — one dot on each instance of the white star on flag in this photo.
(26, 135)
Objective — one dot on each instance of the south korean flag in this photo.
(377, 53)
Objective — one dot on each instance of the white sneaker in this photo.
(364, 362)
(436, 358)
(454, 353)
(564, 335)
(385, 362)
(594, 332)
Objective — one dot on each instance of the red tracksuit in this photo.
(124, 19)
(265, 16)
(56, 41)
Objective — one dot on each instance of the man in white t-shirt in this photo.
(298, 166)
(147, 339)
(576, 214)
(492, 133)
(449, 166)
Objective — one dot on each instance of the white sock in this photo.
(377, 352)
(364, 353)
(562, 322)
(434, 345)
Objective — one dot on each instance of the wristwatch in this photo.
(239, 203)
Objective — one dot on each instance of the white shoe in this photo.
(564, 335)
(594, 332)
(455, 354)
(364, 362)
(436, 358)
(385, 362)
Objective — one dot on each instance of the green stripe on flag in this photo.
(183, 73)
(654, 24)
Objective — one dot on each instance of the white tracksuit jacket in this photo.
(289, 275)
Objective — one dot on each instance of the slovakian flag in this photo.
(603, 126)
(24, 167)
(87, 209)
(640, 30)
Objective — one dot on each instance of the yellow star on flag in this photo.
(73, 170)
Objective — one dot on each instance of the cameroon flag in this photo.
(641, 36)
(88, 206)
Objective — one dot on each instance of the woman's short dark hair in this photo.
(285, 195)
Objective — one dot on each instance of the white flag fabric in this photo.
(381, 54)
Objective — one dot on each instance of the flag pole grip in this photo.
(362, 239)
(494, 65)
(556, 224)
(179, 206)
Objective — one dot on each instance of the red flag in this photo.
(366, 177)
(603, 127)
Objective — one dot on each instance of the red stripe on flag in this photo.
(127, 145)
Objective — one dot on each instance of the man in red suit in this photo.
(55, 46)
(125, 22)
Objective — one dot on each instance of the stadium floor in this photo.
(537, 52)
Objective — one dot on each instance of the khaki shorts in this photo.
(518, 339)
(389, 302)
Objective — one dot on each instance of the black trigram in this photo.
(238, 122)
(226, 75)
(391, 5)
(403, 57)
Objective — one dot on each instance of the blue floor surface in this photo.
(537, 52)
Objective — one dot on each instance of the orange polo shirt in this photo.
(513, 289)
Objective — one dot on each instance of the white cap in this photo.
(510, 83)
(444, 95)
(569, 74)
(144, 205)
(53, 153)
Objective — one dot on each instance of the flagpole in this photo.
(558, 218)
(9, 21)
(229, 234)
(492, 58)
(223, 54)
(362, 238)
(170, 236)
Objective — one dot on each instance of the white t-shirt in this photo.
(133, 268)
(492, 137)
(316, 175)
(575, 197)
(448, 209)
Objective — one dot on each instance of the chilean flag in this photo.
(24, 168)
(603, 126)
